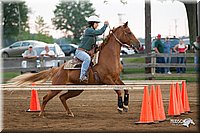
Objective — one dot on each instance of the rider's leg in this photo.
(86, 62)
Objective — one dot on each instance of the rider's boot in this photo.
(120, 104)
(84, 79)
(126, 101)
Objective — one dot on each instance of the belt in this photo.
(83, 50)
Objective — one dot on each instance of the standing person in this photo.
(180, 48)
(48, 53)
(85, 49)
(159, 48)
(30, 53)
(167, 50)
(196, 47)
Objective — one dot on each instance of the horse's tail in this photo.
(40, 77)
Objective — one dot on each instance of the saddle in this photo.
(75, 63)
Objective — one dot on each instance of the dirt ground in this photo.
(95, 111)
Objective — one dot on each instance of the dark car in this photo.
(68, 49)
(16, 49)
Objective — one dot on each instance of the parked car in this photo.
(68, 49)
(126, 51)
(16, 49)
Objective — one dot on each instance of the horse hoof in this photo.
(70, 114)
(41, 115)
(125, 108)
(120, 110)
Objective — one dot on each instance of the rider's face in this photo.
(96, 25)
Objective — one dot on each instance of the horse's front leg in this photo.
(109, 81)
(126, 95)
(46, 98)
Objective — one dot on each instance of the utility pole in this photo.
(148, 34)
(175, 26)
(19, 22)
(120, 17)
(198, 19)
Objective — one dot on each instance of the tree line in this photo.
(69, 17)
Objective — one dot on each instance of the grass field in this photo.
(128, 73)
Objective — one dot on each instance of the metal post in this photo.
(198, 15)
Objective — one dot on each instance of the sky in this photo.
(165, 15)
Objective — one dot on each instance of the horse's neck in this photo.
(110, 52)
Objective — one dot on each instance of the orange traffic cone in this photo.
(160, 104)
(179, 100)
(184, 97)
(34, 102)
(154, 104)
(146, 112)
(173, 109)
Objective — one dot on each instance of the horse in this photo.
(108, 69)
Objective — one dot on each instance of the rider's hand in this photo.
(106, 22)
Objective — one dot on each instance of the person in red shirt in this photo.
(180, 48)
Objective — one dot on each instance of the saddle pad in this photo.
(95, 59)
(71, 64)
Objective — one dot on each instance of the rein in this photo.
(122, 44)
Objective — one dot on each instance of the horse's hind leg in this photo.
(46, 98)
(68, 95)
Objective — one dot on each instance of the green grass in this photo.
(188, 79)
(134, 60)
(9, 75)
(133, 70)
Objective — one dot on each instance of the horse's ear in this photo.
(126, 24)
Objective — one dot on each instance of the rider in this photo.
(85, 49)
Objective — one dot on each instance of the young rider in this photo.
(84, 51)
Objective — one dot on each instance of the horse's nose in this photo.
(136, 45)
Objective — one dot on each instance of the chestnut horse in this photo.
(108, 69)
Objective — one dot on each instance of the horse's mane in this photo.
(105, 41)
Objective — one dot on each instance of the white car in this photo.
(126, 51)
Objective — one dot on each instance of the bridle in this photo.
(116, 38)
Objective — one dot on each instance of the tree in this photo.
(41, 26)
(70, 17)
(15, 19)
(191, 10)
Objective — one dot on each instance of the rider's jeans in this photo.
(86, 61)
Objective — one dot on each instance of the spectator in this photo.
(167, 50)
(48, 53)
(180, 48)
(196, 48)
(30, 53)
(159, 49)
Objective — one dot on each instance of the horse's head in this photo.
(126, 36)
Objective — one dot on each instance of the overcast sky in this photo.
(164, 15)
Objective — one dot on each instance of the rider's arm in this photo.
(92, 32)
